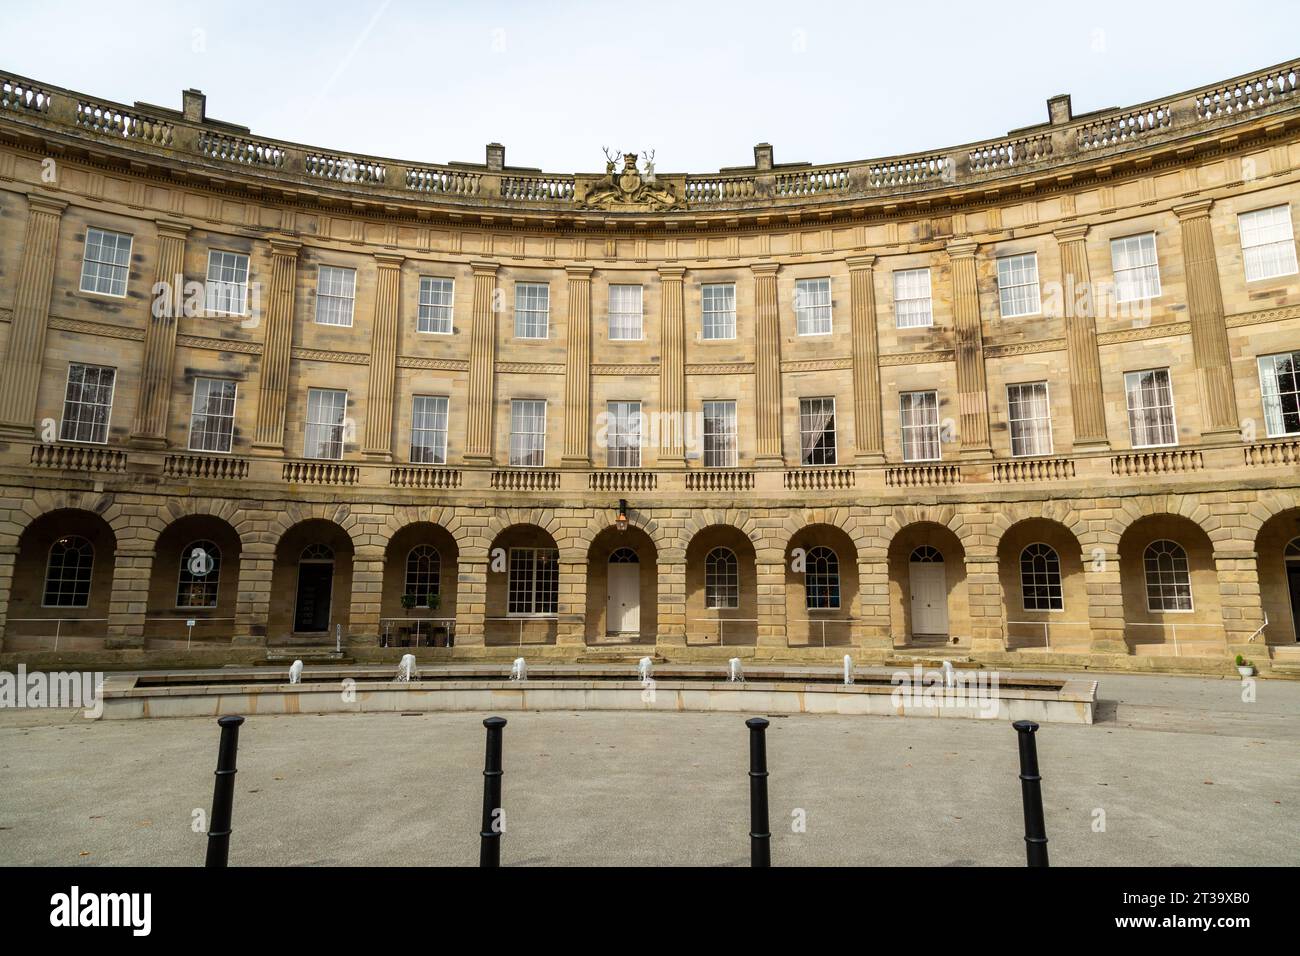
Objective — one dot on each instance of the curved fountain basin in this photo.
(683, 688)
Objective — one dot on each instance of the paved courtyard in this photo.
(1184, 771)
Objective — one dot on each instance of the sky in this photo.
(700, 83)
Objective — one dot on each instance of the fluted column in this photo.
(277, 346)
(1081, 340)
(156, 368)
(767, 365)
(20, 373)
(577, 371)
(867, 422)
(383, 359)
(672, 367)
(482, 365)
(1209, 333)
(972, 387)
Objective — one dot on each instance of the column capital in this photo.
(672, 272)
(39, 202)
(1193, 210)
(172, 228)
(1072, 233)
(284, 247)
(765, 268)
(579, 272)
(858, 263)
(484, 268)
(962, 249)
(389, 260)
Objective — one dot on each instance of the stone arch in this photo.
(304, 525)
(940, 536)
(841, 518)
(81, 621)
(1008, 515)
(947, 516)
(1267, 507)
(1031, 617)
(572, 549)
(1279, 576)
(444, 516)
(737, 518)
(660, 537)
(831, 623)
(166, 611)
(296, 512)
(44, 501)
(1152, 629)
(228, 510)
(1133, 510)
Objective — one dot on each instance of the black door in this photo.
(1293, 585)
(313, 609)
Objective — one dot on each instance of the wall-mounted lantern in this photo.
(621, 521)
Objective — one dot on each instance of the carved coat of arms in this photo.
(628, 188)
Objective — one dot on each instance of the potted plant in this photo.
(1244, 667)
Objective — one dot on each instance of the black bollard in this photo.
(1031, 793)
(223, 794)
(760, 836)
(489, 852)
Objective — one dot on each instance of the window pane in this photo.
(1150, 408)
(325, 414)
(719, 306)
(1279, 380)
(719, 434)
(1030, 419)
(623, 435)
(87, 403)
(812, 304)
(429, 430)
(226, 291)
(335, 292)
(1267, 243)
(106, 262)
(817, 430)
(212, 415)
(527, 433)
(912, 302)
(1018, 285)
(532, 310)
(625, 312)
(919, 414)
(435, 305)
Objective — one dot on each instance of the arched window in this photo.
(67, 575)
(1169, 584)
(624, 556)
(317, 552)
(1292, 552)
(821, 581)
(926, 555)
(199, 576)
(423, 573)
(721, 579)
(1040, 579)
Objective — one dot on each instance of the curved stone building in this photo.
(1035, 397)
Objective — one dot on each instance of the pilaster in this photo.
(383, 361)
(20, 373)
(277, 347)
(1081, 341)
(482, 365)
(767, 365)
(577, 371)
(867, 415)
(672, 368)
(972, 387)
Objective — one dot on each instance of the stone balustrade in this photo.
(1063, 141)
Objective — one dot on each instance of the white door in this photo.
(929, 598)
(624, 611)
